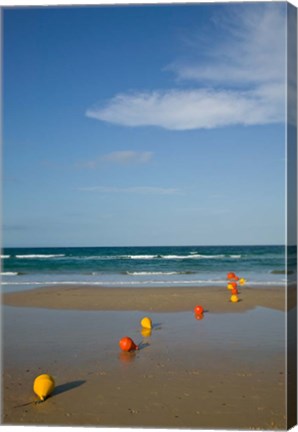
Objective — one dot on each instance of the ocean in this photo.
(25, 268)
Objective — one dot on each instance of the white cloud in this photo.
(193, 109)
(134, 190)
(240, 81)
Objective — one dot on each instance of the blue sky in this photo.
(144, 125)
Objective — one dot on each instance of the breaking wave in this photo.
(34, 256)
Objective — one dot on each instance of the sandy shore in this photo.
(215, 299)
(224, 371)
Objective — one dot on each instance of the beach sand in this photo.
(165, 299)
(224, 371)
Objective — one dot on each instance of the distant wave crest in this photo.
(142, 256)
(201, 282)
(9, 273)
(169, 257)
(34, 256)
(192, 256)
(144, 273)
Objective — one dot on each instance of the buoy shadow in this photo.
(143, 345)
(67, 386)
(157, 326)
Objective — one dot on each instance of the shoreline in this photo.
(154, 299)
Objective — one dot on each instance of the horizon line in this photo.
(147, 246)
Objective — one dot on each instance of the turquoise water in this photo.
(23, 268)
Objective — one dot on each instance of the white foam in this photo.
(113, 283)
(150, 273)
(210, 256)
(142, 256)
(178, 256)
(193, 256)
(5, 256)
(207, 282)
(40, 256)
(9, 274)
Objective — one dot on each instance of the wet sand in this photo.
(165, 299)
(224, 371)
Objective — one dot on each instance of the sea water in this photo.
(24, 268)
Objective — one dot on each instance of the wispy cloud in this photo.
(249, 49)
(132, 190)
(196, 108)
(126, 157)
(238, 80)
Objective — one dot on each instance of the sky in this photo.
(144, 125)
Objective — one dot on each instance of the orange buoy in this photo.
(199, 316)
(234, 291)
(127, 344)
(232, 276)
(198, 310)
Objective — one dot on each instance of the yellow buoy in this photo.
(146, 323)
(230, 286)
(234, 298)
(242, 281)
(43, 386)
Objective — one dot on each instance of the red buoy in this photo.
(198, 310)
(127, 344)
